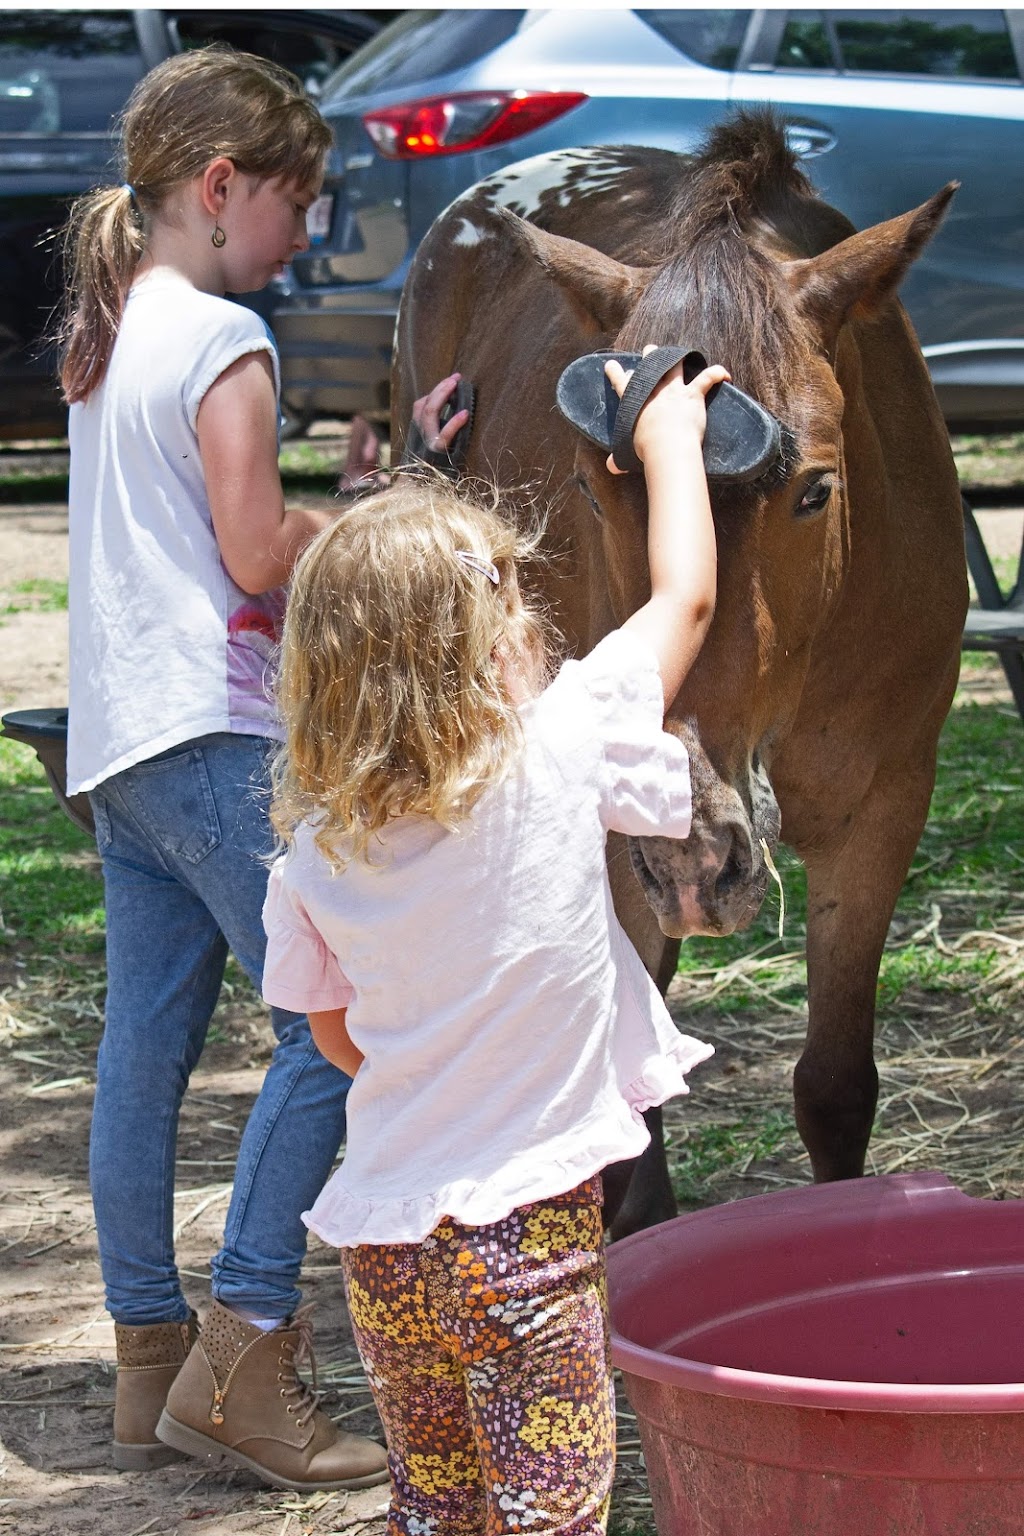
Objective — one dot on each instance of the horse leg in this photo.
(638, 1193)
(851, 893)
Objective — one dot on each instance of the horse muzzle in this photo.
(714, 881)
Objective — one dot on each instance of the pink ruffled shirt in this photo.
(511, 1034)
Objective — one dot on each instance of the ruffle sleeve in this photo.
(645, 779)
(300, 971)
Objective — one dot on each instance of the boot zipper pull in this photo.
(216, 1416)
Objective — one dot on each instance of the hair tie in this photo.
(477, 563)
(126, 186)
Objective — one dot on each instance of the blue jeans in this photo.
(181, 837)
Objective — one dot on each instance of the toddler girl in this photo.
(443, 914)
(180, 543)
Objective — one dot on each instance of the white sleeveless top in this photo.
(163, 645)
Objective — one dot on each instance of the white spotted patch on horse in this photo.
(566, 174)
(469, 233)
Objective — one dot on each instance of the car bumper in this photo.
(30, 404)
(979, 384)
(336, 361)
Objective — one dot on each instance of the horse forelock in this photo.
(725, 299)
(715, 288)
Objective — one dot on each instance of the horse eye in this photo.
(817, 496)
(588, 493)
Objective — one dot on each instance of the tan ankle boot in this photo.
(240, 1399)
(148, 1359)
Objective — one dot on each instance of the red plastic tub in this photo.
(840, 1360)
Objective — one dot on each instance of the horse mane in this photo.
(743, 166)
(717, 286)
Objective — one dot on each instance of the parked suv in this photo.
(64, 75)
(887, 104)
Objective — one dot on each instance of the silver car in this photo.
(886, 105)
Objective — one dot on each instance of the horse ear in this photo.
(601, 290)
(854, 278)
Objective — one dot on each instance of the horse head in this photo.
(732, 279)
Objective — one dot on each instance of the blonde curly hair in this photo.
(403, 666)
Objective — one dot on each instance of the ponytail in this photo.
(103, 245)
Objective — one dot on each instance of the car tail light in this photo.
(450, 125)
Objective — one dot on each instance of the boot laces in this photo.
(306, 1398)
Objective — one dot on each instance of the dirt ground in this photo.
(56, 1342)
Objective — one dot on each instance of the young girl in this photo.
(179, 545)
(443, 914)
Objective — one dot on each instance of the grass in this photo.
(970, 859)
(51, 919)
(709, 1148)
(310, 459)
(38, 594)
(950, 999)
(49, 872)
(990, 461)
(23, 486)
(308, 466)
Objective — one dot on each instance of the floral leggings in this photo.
(487, 1352)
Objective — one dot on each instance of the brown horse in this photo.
(813, 711)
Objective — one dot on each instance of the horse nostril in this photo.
(737, 867)
(642, 870)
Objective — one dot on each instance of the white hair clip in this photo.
(477, 563)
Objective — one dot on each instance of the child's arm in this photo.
(259, 539)
(332, 1039)
(681, 546)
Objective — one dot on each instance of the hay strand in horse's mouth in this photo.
(770, 866)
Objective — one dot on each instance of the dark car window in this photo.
(419, 45)
(65, 71)
(710, 37)
(951, 44)
(807, 43)
(311, 55)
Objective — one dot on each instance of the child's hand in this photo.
(672, 410)
(426, 413)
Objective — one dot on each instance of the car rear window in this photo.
(65, 71)
(709, 37)
(950, 44)
(295, 45)
(420, 45)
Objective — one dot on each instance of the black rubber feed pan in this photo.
(46, 732)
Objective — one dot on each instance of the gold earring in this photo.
(218, 237)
